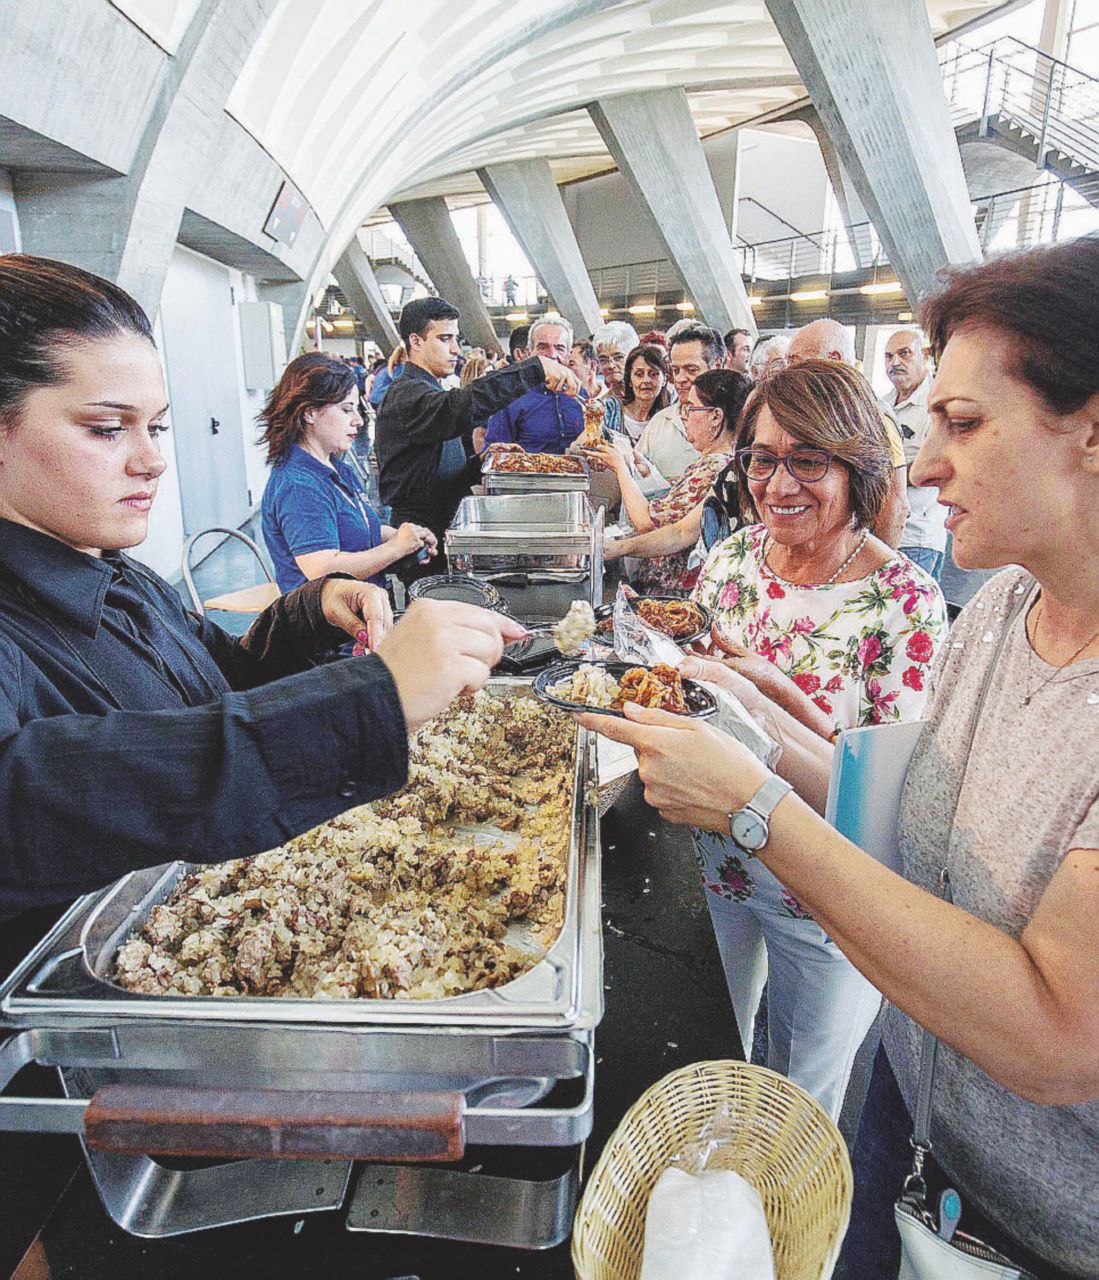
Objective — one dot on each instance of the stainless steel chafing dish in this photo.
(532, 482)
(302, 1088)
(540, 551)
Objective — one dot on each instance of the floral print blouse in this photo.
(673, 573)
(862, 650)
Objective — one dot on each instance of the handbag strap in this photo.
(929, 1049)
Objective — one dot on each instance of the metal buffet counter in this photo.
(541, 551)
(666, 1005)
(279, 1096)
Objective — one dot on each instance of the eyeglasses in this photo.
(807, 466)
(688, 409)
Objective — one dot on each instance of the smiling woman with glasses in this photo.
(839, 630)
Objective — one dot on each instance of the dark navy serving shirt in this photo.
(133, 732)
(310, 507)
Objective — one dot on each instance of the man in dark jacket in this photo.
(423, 462)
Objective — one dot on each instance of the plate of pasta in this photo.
(681, 620)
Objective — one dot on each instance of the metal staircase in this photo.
(1020, 98)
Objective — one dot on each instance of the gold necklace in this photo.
(1033, 693)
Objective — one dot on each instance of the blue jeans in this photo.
(882, 1160)
(930, 560)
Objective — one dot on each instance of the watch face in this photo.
(748, 829)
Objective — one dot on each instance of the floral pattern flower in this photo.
(869, 649)
(733, 881)
(920, 647)
(792, 907)
(861, 651)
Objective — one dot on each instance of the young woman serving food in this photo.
(132, 732)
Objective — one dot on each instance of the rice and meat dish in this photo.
(388, 900)
(542, 464)
(675, 618)
(575, 628)
(657, 686)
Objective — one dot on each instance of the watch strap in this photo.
(767, 798)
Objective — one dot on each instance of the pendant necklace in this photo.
(1033, 693)
(828, 581)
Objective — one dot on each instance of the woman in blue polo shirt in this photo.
(316, 518)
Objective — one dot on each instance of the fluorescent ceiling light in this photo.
(642, 309)
(809, 295)
(517, 316)
(882, 286)
(904, 315)
(344, 322)
(684, 306)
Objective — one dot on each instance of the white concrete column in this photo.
(873, 74)
(355, 276)
(525, 193)
(126, 227)
(851, 210)
(431, 233)
(653, 141)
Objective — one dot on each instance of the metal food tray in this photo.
(533, 482)
(513, 1066)
(521, 532)
(68, 973)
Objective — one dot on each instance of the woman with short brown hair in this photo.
(837, 628)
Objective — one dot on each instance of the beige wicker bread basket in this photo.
(783, 1142)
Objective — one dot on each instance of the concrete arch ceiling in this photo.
(362, 101)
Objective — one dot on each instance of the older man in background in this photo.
(924, 536)
(829, 340)
(541, 421)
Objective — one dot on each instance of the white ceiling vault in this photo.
(362, 101)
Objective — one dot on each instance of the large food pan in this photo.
(67, 976)
(526, 482)
(521, 531)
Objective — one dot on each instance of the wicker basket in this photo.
(783, 1143)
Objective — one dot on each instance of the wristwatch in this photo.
(750, 827)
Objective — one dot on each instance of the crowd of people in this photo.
(765, 481)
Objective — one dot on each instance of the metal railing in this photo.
(1046, 211)
(1053, 107)
(634, 282)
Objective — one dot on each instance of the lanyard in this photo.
(354, 499)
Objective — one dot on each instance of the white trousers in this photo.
(819, 1007)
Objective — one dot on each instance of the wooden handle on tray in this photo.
(276, 1124)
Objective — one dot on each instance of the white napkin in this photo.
(706, 1226)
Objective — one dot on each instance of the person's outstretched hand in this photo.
(441, 649)
(359, 608)
(559, 377)
(694, 774)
